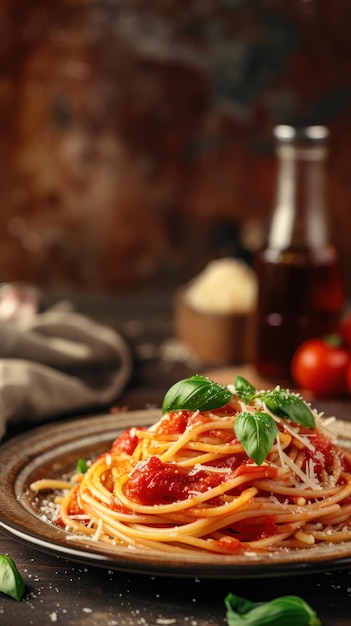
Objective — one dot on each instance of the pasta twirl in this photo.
(187, 484)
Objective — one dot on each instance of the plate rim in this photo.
(17, 455)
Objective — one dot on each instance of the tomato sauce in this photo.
(232, 462)
(244, 531)
(256, 471)
(324, 454)
(173, 423)
(176, 422)
(127, 441)
(155, 482)
(75, 508)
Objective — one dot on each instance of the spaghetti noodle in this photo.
(187, 484)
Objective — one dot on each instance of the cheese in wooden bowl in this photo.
(214, 312)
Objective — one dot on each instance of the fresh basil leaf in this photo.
(82, 466)
(196, 393)
(244, 389)
(11, 582)
(288, 610)
(236, 605)
(256, 432)
(285, 404)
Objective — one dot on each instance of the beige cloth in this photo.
(59, 362)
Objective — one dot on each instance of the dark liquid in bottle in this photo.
(300, 296)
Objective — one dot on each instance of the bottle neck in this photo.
(299, 218)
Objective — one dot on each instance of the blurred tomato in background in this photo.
(321, 365)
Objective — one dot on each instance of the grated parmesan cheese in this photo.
(225, 286)
(308, 480)
(98, 531)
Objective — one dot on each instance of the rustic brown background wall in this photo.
(134, 131)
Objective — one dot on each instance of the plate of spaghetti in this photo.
(222, 481)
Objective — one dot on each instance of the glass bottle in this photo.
(300, 292)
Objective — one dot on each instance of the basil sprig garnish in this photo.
(196, 393)
(285, 404)
(289, 610)
(11, 582)
(280, 402)
(244, 389)
(255, 430)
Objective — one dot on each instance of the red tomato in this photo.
(348, 377)
(346, 330)
(321, 366)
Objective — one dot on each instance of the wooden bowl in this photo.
(215, 338)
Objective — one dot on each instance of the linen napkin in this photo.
(58, 362)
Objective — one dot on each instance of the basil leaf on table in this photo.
(11, 582)
(196, 393)
(256, 432)
(283, 611)
(285, 404)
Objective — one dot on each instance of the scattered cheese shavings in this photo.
(307, 480)
(98, 531)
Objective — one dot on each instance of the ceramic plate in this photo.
(53, 450)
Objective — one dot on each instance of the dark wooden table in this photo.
(59, 591)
